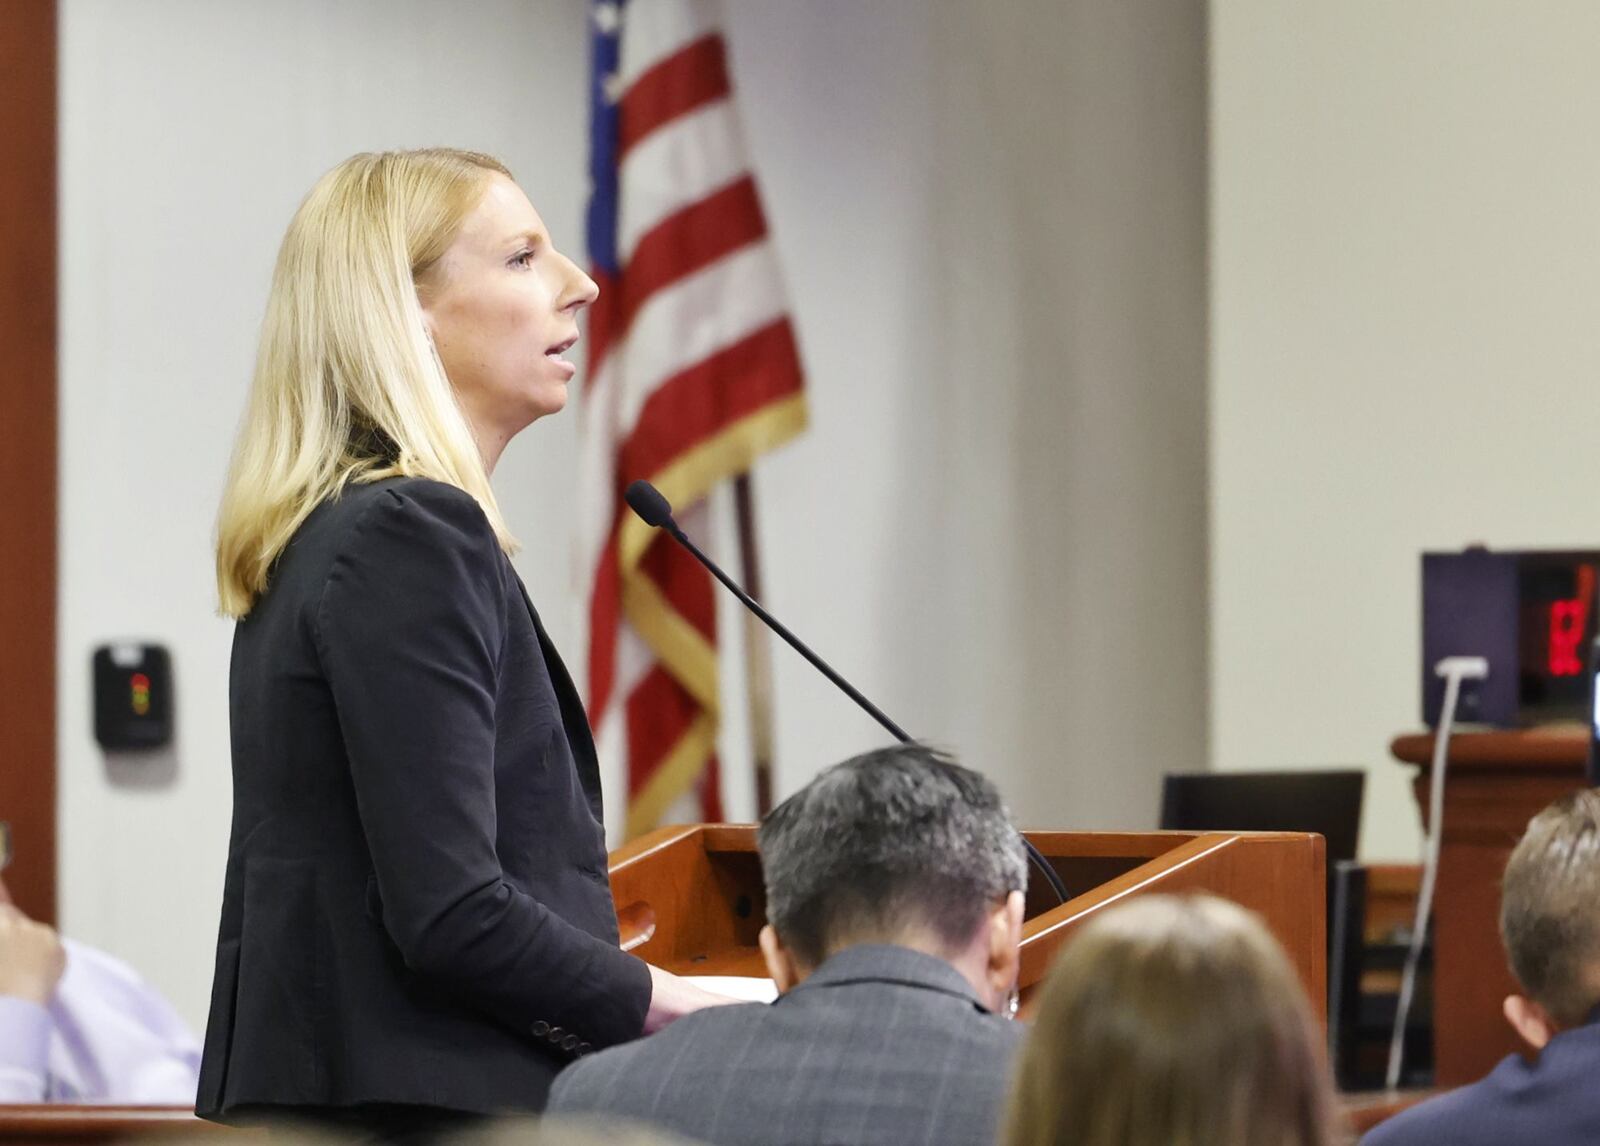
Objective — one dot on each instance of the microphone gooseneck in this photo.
(655, 510)
(651, 506)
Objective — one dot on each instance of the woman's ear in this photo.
(427, 318)
(780, 963)
(427, 288)
(1531, 1021)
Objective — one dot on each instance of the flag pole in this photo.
(757, 646)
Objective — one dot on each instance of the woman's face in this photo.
(502, 306)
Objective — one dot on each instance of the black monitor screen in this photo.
(1328, 803)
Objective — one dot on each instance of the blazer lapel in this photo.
(573, 717)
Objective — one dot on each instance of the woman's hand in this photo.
(672, 997)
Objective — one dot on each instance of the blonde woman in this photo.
(417, 925)
(1172, 1022)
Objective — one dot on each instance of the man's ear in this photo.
(1005, 939)
(1531, 1021)
(780, 963)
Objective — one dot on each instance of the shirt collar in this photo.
(888, 963)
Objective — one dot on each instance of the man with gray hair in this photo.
(894, 905)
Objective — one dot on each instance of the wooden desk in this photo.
(1496, 783)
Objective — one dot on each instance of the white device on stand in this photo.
(1454, 670)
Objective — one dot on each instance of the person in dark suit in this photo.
(417, 924)
(1550, 925)
(894, 905)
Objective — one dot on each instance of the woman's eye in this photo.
(522, 258)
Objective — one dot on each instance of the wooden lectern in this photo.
(1494, 784)
(690, 900)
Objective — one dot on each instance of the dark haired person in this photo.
(1550, 924)
(894, 900)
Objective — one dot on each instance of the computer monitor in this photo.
(1326, 802)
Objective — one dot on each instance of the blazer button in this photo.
(541, 1028)
(584, 1048)
(555, 1034)
(570, 1043)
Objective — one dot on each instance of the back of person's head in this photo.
(901, 845)
(1172, 1022)
(1550, 912)
(347, 383)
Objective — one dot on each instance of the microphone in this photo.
(652, 506)
(656, 511)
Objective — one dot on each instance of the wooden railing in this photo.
(50, 1125)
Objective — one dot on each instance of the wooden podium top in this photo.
(1559, 748)
(691, 899)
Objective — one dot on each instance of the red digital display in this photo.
(1569, 619)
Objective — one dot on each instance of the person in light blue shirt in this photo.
(1550, 925)
(78, 1026)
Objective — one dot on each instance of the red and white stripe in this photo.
(698, 295)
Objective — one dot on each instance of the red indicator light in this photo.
(139, 693)
(1568, 621)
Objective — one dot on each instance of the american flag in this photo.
(694, 373)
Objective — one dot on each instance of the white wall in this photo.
(1405, 266)
(1070, 246)
(995, 525)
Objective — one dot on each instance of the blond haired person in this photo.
(1172, 1022)
(1550, 925)
(417, 925)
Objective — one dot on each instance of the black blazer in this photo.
(416, 907)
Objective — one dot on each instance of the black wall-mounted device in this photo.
(132, 697)
(1531, 613)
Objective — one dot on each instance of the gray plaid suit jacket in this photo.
(882, 1045)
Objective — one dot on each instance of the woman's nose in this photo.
(591, 289)
(582, 290)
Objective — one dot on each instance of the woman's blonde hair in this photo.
(347, 384)
(1172, 1021)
